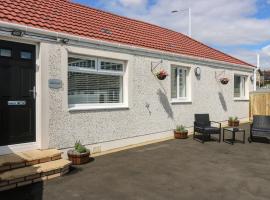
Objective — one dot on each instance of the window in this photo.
(94, 81)
(27, 55)
(239, 86)
(81, 63)
(110, 66)
(179, 87)
(5, 52)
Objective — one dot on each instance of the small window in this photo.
(239, 86)
(82, 63)
(5, 52)
(111, 66)
(27, 55)
(179, 83)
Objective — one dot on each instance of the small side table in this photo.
(233, 131)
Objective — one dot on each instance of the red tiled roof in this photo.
(72, 18)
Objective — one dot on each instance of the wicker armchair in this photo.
(203, 126)
(260, 127)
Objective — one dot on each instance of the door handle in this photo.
(34, 93)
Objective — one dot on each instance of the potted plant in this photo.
(230, 121)
(162, 74)
(180, 132)
(79, 155)
(224, 81)
(233, 121)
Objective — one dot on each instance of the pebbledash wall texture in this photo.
(150, 110)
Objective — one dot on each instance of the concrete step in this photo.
(31, 174)
(28, 158)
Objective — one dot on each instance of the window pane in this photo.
(26, 55)
(82, 63)
(174, 82)
(87, 88)
(111, 66)
(182, 83)
(237, 86)
(5, 52)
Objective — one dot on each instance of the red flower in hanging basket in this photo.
(162, 74)
(224, 81)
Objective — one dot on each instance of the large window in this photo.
(239, 86)
(94, 81)
(179, 83)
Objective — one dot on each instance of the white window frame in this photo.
(243, 91)
(110, 71)
(83, 69)
(187, 98)
(98, 70)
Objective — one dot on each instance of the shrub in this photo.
(233, 119)
(180, 128)
(79, 147)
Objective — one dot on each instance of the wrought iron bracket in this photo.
(154, 65)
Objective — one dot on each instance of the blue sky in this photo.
(238, 27)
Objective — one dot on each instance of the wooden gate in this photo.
(259, 103)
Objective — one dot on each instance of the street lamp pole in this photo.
(189, 18)
(189, 22)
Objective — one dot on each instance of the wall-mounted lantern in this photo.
(252, 78)
(197, 71)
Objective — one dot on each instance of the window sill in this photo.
(102, 107)
(241, 99)
(180, 101)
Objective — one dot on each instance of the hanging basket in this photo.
(224, 81)
(161, 75)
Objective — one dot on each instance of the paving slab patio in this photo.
(174, 169)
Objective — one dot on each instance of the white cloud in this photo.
(128, 3)
(266, 50)
(224, 22)
(251, 56)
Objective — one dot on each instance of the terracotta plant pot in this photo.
(161, 77)
(236, 123)
(180, 135)
(233, 123)
(224, 81)
(78, 158)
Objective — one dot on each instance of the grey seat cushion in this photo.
(261, 133)
(261, 130)
(212, 129)
(209, 130)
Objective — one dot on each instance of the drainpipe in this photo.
(255, 73)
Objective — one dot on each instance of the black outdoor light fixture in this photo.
(17, 33)
(197, 71)
(252, 78)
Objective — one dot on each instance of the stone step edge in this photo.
(34, 178)
(26, 163)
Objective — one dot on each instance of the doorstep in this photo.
(35, 173)
(28, 158)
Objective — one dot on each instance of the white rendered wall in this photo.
(64, 127)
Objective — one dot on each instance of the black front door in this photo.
(17, 93)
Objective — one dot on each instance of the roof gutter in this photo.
(53, 36)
